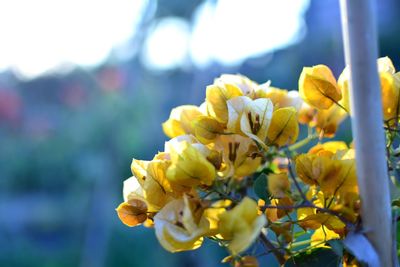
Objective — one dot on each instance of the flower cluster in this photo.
(231, 171)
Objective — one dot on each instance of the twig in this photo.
(279, 255)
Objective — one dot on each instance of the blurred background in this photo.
(86, 84)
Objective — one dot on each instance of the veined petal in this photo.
(256, 118)
(284, 128)
(318, 87)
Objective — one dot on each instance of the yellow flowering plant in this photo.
(235, 171)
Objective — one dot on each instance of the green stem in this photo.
(302, 143)
(301, 243)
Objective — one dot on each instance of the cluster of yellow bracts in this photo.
(226, 139)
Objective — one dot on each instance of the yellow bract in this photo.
(239, 155)
(318, 87)
(278, 185)
(156, 188)
(241, 225)
(334, 176)
(321, 235)
(332, 146)
(250, 117)
(189, 167)
(284, 127)
(343, 83)
(206, 129)
(327, 121)
(306, 113)
(390, 88)
(212, 215)
(180, 225)
(245, 85)
(274, 214)
(132, 213)
(180, 120)
(280, 98)
(216, 97)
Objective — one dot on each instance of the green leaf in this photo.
(315, 258)
(260, 187)
(337, 246)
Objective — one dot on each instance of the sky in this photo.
(44, 36)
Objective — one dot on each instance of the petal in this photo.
(284, 128)
(317, 86)
(256, 118)
(206, 129)
(216, 98)
(133, 213)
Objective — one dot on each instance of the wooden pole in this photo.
(361, 53)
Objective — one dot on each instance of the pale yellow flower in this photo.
(241, 225)
(180, 225)
(318, 87)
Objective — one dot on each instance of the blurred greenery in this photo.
(67, 140)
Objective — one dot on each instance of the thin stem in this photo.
(294, 179)
(300, 243)
(279, 255)
(302, 143)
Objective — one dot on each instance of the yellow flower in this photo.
(132, 213)
(318, 87)
(309, 219)
(180, 120)
(321, 235)
(274, 214)
(327, 121)
(332, 146)
(390, 87)
(216, 96)
(206, 129)
(343, 83)
(250, 117)
(278, 185)
(139, 170)
(189, 166)
(306, 113)
(239, 155)
(284, 127)
(241, 225)
(150, 184)
(280, 98)
(157, 190)
(132, 189)
(333, 176)
(245, 85)
(212, 215)
(180, 225)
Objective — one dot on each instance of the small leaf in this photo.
(315, 258)
(337, 246)
(260, 187)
